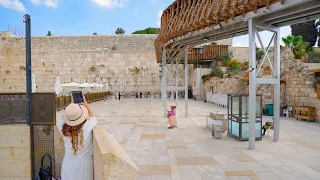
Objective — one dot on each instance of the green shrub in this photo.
(224, 57)
(216, 72)
(259, 54)
(234, 65)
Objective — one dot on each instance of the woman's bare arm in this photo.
(85, 103)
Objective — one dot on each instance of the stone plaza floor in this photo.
(191, 153)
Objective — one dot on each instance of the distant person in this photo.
(119, 94)
(170, 116)
(76, 128)
(266, 126)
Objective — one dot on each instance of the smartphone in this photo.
(77, 97)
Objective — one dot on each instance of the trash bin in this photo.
(217, 131)
(269, 109)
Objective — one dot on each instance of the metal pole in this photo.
(252, 81)
(162, 81)
(164, 59)
(27, 21)
(186, 80)
(277, 87)
(171, 80)
(200, 95)
(176, 82)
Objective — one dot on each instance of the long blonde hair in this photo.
(73, 132)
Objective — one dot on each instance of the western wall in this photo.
(119, 62)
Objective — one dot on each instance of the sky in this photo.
(84, 17)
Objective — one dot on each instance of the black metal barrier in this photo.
(43, 116)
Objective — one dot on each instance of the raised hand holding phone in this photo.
(77, 97)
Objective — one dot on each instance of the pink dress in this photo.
(171, 117)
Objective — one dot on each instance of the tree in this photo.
(308, 30)
(120, 31)
(95, 33)
(148, 30)
(49, 33)
(297, 45)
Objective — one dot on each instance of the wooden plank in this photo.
(184, 16)
(315, 70)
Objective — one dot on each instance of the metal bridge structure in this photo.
(186, 23)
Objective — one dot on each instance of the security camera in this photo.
(250, 69)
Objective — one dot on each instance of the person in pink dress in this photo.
(170, 116)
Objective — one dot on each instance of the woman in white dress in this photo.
(76, 129)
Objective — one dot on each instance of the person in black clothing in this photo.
(119, 94)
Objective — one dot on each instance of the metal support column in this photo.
(252, 81)
(172, 64)
(164, 85)
(186, 80)
(176, 74)
(277, 86)
(162, 81)
(27, 21)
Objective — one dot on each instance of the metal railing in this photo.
(64, 101)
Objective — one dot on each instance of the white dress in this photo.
(79, 166)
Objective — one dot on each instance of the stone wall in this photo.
(101, 59)
(240, 53)
(225, 85)
(298, 84)
(111, 162)
(15, 157)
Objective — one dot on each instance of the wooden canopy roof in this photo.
(184, 16)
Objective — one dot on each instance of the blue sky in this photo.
(83, 17)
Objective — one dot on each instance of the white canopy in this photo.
(57, 87)
(97, 85)
(81, 85)
(72, 84)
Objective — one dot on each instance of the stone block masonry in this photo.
(15, 158)
(298, 84)
(124, 62)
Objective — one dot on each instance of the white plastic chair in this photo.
(287, 112)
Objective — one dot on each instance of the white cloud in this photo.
(49, 3)
(36, 1)
(159, 18)
(109, 3)
(13, 4)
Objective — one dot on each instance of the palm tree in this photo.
(297, 45)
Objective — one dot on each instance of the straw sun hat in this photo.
(75, 114)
